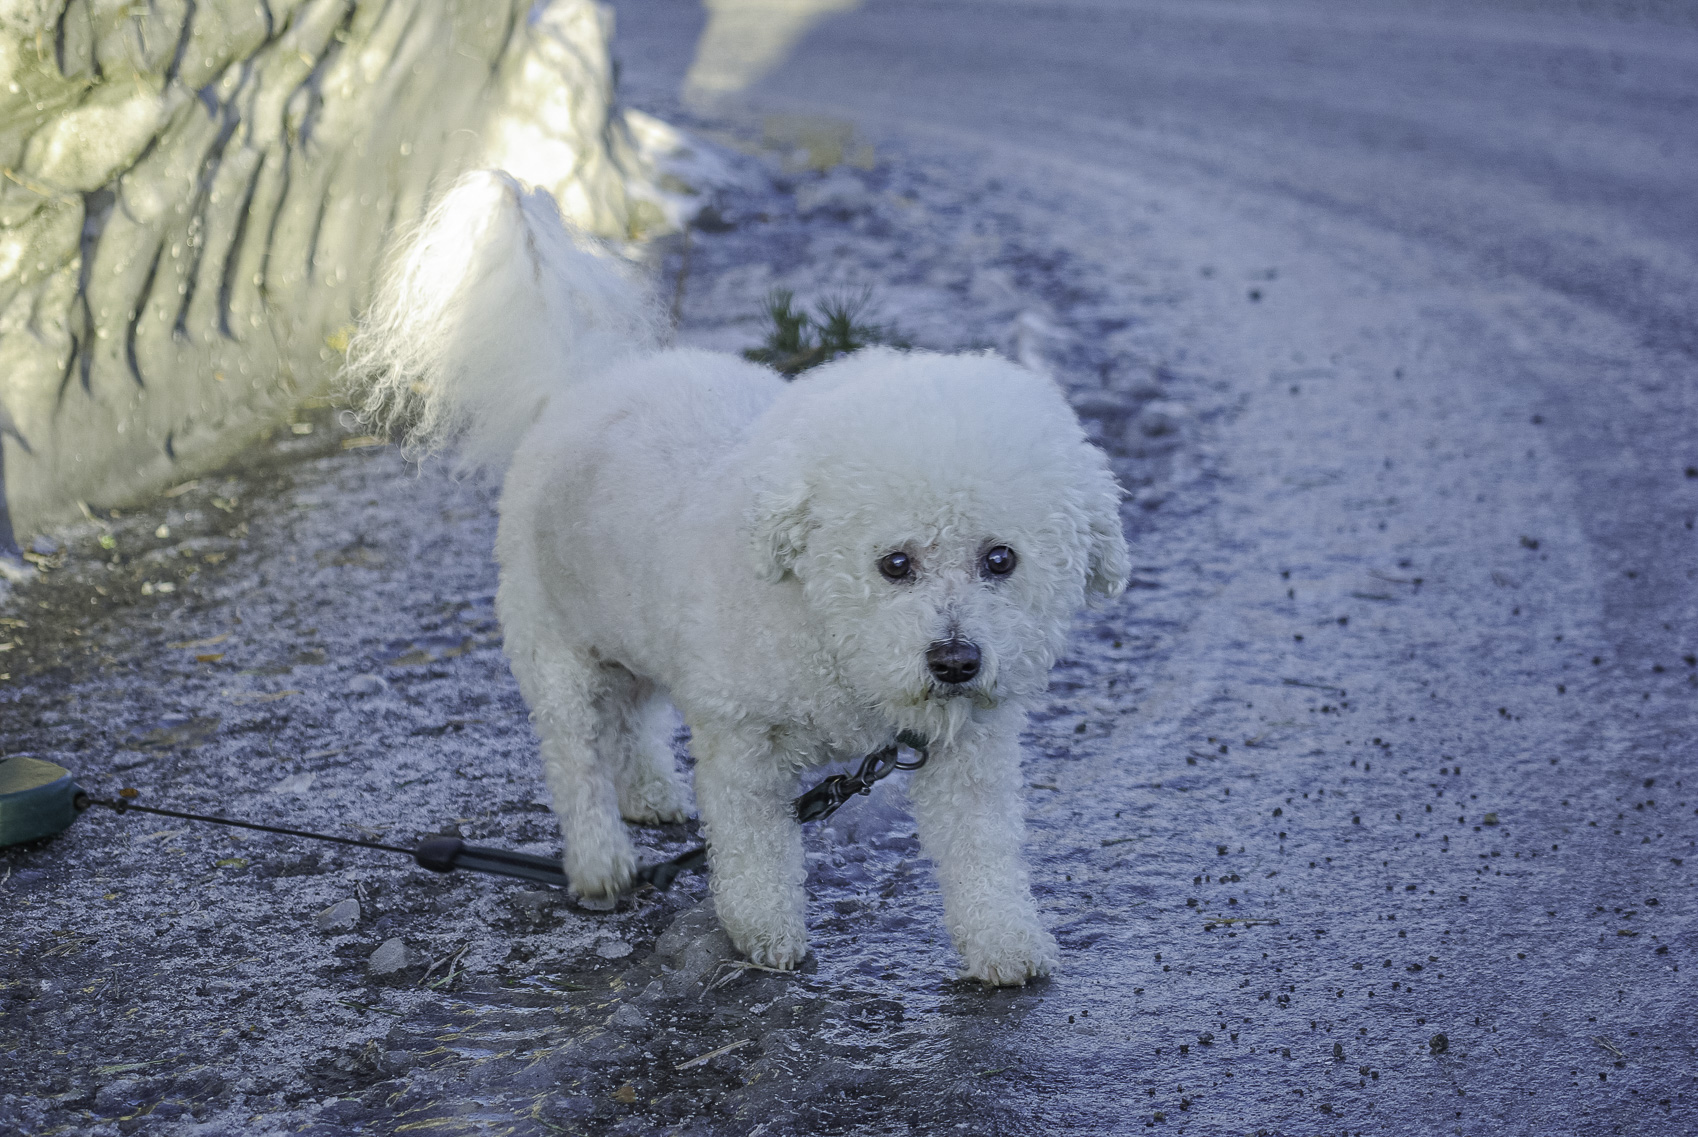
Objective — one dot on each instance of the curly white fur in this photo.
(435, 358)
(683, 528)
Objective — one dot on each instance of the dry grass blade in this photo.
(1314, 686)
(728, 969)
(247, 697)
(210, 641)
(451, 959)
(712, 1054)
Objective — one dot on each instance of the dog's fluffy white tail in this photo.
(489, 308)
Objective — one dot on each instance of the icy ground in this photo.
(310, 641)
(1365, 812)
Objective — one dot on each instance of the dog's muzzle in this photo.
(953, 661)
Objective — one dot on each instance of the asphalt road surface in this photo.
(1437, 267)
(1363, 812)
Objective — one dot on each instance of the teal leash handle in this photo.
(37, 799)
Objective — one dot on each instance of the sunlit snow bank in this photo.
(193, 197)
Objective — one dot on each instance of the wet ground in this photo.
(1363, 812)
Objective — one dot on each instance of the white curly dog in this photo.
(893, 542)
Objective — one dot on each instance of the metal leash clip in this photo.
(828, 797)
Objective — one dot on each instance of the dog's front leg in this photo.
(744, 788)
(967, 801)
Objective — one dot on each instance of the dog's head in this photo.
(945, 517)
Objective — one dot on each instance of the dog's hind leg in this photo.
(562, 687)
(637, 726)
(744, 788)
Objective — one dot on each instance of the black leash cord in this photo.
(83, 801)
(445, 854)
(438, 854)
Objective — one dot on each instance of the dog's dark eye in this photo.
(896, 566)
(998, 561)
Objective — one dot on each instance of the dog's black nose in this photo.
(953, 661)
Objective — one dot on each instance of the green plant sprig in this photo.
(797, 340)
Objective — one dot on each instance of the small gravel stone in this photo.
(367, 685)
(390, 957)
(613, 949)
(295, 784)
(537, 902)
(840, 193)
(693, 946)
(116, 1097)
(1101, 404)
(339, 917)
(1161, 417)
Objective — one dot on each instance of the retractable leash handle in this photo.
(37, 799)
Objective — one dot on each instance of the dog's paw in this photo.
(774, 941)
(653, 801)
(784, 951)
(599, 874)
(1009, 957)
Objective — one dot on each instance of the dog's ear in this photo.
(780, 522)
(1108, 564)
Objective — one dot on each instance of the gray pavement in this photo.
(1364, 812)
